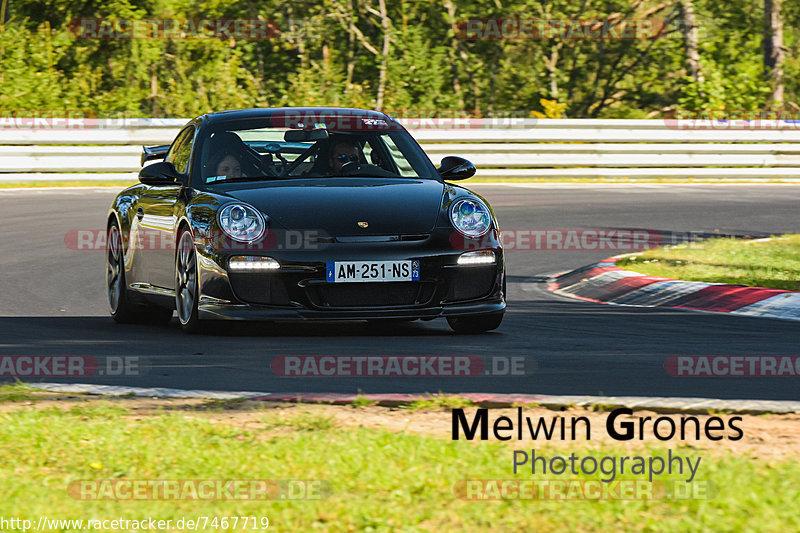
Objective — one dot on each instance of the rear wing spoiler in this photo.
(150, 153)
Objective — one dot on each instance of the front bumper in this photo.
(299, 290)
(216, 311)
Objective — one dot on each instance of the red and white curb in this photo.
(655, 403)
(605, 282)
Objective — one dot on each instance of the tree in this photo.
(691, 42)
(773, 50)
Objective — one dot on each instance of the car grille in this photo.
(382, 294)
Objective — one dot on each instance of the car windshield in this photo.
(254, 153)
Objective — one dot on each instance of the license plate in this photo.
(360, 271)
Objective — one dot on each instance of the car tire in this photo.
(475, 323)
(122, 309)
(187, 291)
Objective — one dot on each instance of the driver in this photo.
(344, 151)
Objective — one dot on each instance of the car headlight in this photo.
(242, 222)
(471, 217)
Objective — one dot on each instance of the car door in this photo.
(158, 217)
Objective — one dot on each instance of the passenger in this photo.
(227, 165)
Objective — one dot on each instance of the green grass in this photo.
(18, 392)
(223, 404)
(304, 421)
(439, 401)
(361, 402)
(774, 264)
(377, 480)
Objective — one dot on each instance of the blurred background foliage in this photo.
(401, 56)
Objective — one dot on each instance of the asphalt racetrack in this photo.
(53, 303)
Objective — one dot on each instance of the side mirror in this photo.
(149, 153)
(162, 173)
(456, 168)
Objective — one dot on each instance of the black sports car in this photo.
(302, 213)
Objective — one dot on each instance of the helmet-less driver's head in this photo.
(344, 151)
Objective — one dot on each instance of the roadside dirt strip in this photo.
(659, 404)
(769, 437)
(605, 282)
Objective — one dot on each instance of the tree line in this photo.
(406, 57)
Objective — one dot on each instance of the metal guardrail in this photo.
(500, 148)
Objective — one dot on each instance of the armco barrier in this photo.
(513, 148)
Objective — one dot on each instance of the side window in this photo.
(181, 151)
(403, 165)
(368, 152)
(372, 152)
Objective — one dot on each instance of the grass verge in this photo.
(774, 263)
(377, 480)
(439, 401)
(19, 392)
